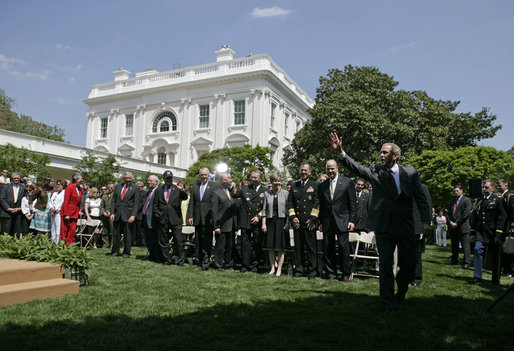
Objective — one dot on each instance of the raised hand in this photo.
(336, 141)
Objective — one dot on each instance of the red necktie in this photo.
(123, 191)
(146, 203)
(455, 206)
(392, 183)
(168, 195)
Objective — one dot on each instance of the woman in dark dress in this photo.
(274, 223)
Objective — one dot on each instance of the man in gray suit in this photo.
(149, 224)
(391, 216)
(223, 212)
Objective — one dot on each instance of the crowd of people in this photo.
(387, 199)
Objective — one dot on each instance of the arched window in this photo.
(161, 156)
(164, 127)
(166, 118)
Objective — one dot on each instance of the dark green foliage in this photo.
(363, 106)
(26, 162)
(98, 171)
(442, 170)
(10, 120)
(242, 160)
(42, 249)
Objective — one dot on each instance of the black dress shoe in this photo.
(465, 266)
(125, 256)
(474, 281)
(243, 270)
(114, 254)
(218, 269)
(205, 269)
(400, 296)
(167, 263)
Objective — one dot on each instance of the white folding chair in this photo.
(369, 253)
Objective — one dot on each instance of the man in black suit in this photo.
(458, 217)
(251, 213)
(487, 226)
(168, 213)
(391, 216)
(124, 209)
(223, 215)
(338, 214)
(508, 204)
(303, 212)
(199, 214)
(363, 198)
(148, 223)
(10, 203)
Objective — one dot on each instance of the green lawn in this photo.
(137, 305)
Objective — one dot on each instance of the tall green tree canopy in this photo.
(242, 160)
(442, 170)
(364, 107)
(10, 120)
(98, 171)
(26, 162)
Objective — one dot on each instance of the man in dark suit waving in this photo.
(199, 214)
(391, 216)
(168, 214)
(124, 210)
(337, 215)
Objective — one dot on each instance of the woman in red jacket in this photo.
(70, 209)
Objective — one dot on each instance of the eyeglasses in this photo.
(485, 187)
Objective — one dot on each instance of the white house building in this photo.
(171, 118)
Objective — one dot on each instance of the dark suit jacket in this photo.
(129, 206)
(387, 213)
(342, 208)
(200, 210)
(223, 210)
(252, 202)
(418, 223)
(71, 203)
(303, 202)
(462, 214)
(7, 199)
(508, 204)
(362, 210)
(169, 213)
(142, 200)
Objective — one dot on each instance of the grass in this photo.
(138, 305)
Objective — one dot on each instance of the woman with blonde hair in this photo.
(92, 209)
(274, 223)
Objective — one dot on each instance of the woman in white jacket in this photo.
(55, 210)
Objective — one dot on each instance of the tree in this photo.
(363, 106)
(97, 171)
(26, 162)
(242, 160)
(9, 120)
(442, 170)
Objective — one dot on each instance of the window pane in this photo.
(204, 116)
(165, 126)
(103, 128)
(273, 111)
(239, 112)
(129, 124)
